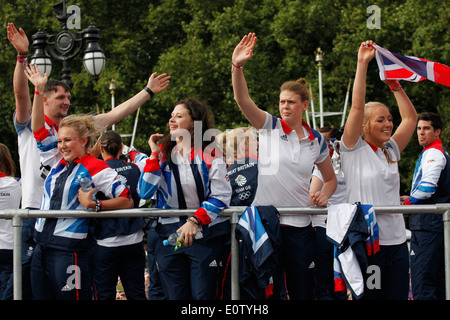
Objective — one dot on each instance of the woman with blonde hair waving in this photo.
(369, 156)
(60, 267)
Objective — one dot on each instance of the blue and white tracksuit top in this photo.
(61, 193)
(157, 179)
(430, 185)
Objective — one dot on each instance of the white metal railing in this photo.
(17, 215)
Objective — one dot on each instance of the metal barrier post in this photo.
(235, 292)
(17, 257)
(446, 219)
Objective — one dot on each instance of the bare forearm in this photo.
(240, 88)
(356, 114)
(250, 110)
(111, 204)
(405, 106)
(329, 177)
(21, 94)
(156, 83)
(408, 114)
(121, 111)
(359, 86)
(38, 116)
(329, 187)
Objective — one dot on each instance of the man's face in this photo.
(57, 103)
(426, 133)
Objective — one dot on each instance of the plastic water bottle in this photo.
(173, 239)
(85, 182)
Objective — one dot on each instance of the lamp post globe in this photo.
(40, 57)
(94, 58)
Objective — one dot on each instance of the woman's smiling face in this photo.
(180, 119)
(380, 126)
(70, 145)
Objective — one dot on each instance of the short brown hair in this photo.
(52, 86)
(299, 86)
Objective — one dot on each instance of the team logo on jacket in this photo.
(240, 180)
(244, 195)
(122, 179)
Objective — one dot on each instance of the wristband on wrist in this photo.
(197, 221)
(150, 92)
(22, 59)
(236, 66)
(156, 154)
(98, 205)
(194, 221)
(38, 93)
(395, 87)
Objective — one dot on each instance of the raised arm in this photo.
(408, 113)
(242, 53)
(353, 126)
(20, 42)
(38, 118)
(155, 83)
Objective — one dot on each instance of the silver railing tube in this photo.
(17, 215)
(446, 219)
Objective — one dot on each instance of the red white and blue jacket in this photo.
(46, 139)
(61, 193)
(353, 230)
(213, 189)
(430, 185)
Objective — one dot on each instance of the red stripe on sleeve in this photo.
(41, 134)
(202, 216)
(151, 165)
(125, 193)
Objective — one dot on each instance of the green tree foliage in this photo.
(193, 40)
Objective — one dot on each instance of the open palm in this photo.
(17, 38)
(35, 77)
(244, 50)
(158, 83)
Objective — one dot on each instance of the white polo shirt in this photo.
(30, 164)
(285, 165)
(370, 179)
(10, 194)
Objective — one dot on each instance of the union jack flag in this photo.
(394, 66)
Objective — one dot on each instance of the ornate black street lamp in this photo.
(65, 46)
